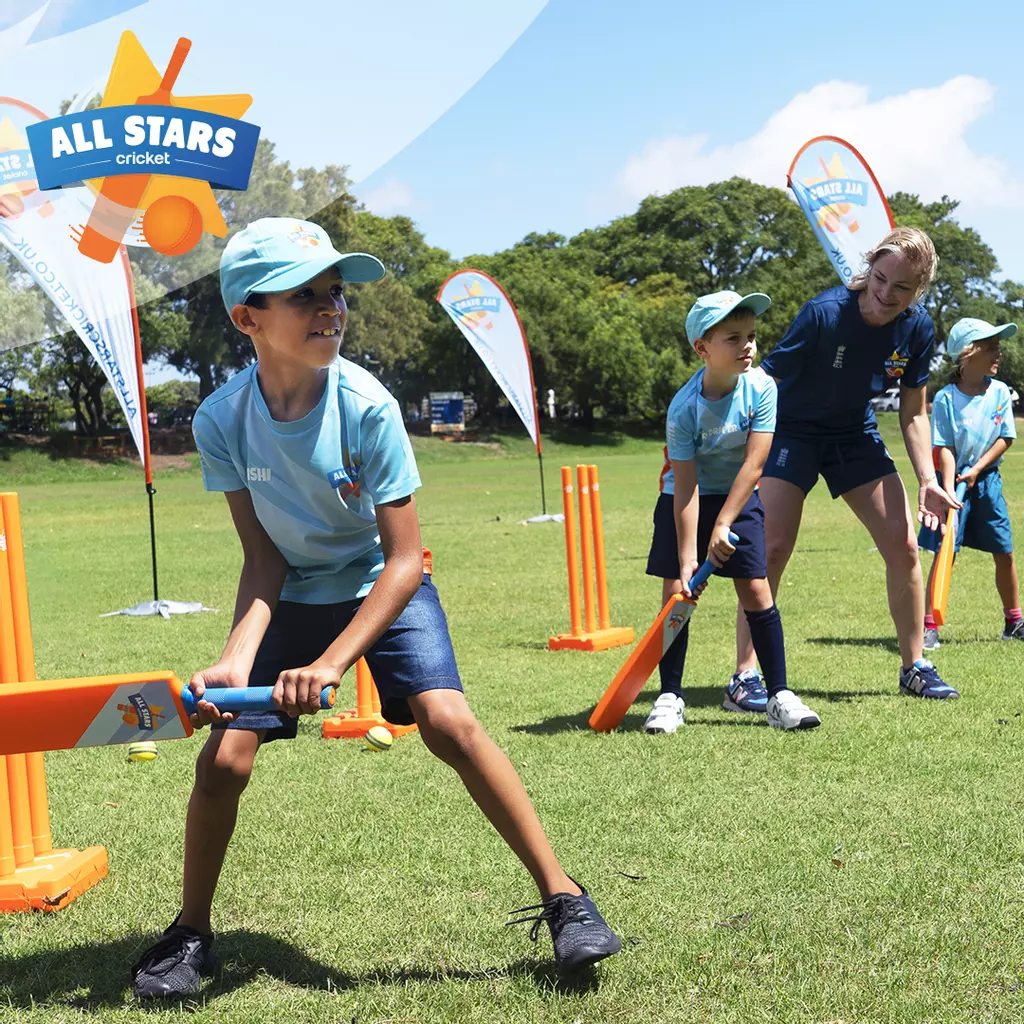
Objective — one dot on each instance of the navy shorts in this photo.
(413, 655)
(982, 524)
(747, 563)
(844, 464)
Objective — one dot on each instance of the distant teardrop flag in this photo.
(842, 200)
(488, 320)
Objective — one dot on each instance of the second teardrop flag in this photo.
(842, 200)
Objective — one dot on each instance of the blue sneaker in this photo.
(921, 680)
(746, 692)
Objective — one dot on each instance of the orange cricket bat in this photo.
(117, 204)
(100, 711)
(644, 658)
(944, 562)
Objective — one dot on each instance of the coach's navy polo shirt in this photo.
(830, 364)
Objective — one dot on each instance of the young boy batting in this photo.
(312, 455)
(719, 431)
(972, 426)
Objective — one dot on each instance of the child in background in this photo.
(719, 430)
(972, 426)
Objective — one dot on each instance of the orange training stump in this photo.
(33, 875)
(354, 724)
(600, 634)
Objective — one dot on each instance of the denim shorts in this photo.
(412, 656)
(748, 562)
(844, 464)
(983, 523)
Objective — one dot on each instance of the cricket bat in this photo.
(117, 204)
(944, 562)
(644, 658)
(100, 711)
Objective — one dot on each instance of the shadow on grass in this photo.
(95, 976)
(888, 643)
(696, 697)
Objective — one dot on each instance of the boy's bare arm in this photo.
(685, 513)
(972, 473)
(947, 469)
(259, 588)
(399, 527)
(759, 444)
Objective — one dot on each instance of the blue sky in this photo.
(544, 140)
(485, 122)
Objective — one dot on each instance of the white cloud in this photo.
(390, 197)
(914, 142)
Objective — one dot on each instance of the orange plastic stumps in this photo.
(598, 634)
(33, 876)
(355, 723)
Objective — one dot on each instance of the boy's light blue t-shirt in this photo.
(714, 434)
(971, 424)
(314, 482)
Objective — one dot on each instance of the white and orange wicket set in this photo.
(33, 875)
(589, 632)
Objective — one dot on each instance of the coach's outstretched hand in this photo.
(933, 503)
(297, 690)
(224, 673)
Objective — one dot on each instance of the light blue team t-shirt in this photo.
(314, 482)
(971, 424)
(714, 434)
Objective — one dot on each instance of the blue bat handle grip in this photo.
(961, 490)
(245, 698)
(703, 574)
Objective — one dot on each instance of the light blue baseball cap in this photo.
(969, 330)
(276, 254)
(711, 309)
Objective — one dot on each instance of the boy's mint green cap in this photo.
(276, 254)
(969, 330)
(709, 310)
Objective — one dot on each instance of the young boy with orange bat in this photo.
(319, 475)
(719, 430)
(972, 426)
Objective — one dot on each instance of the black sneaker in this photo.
(175, 966)
(1014, 632)
(579, 933)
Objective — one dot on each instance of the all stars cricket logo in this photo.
(143, 152)
(476, 308)
(835, 195)
(896, 364)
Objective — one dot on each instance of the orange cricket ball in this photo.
(172, 225)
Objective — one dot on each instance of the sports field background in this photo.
(870, 870)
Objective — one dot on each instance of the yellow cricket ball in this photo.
(145, 751)
(378, 738)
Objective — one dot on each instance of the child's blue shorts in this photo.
(984, 522)
(747, 563)
(413, 655)
(844, 464)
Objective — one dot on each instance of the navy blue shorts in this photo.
(982, 524)
(844, 464)
(747, 563)
(414, 655)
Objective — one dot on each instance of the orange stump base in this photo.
(53, 880)
(350, 725)
(597, 640)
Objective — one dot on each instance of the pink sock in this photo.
(929, 621)
(1012, 614)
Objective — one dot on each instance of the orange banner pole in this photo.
(570, 552)
(583, 483)
(39, 805)
(604, 614)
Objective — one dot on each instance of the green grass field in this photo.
(870, 870)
